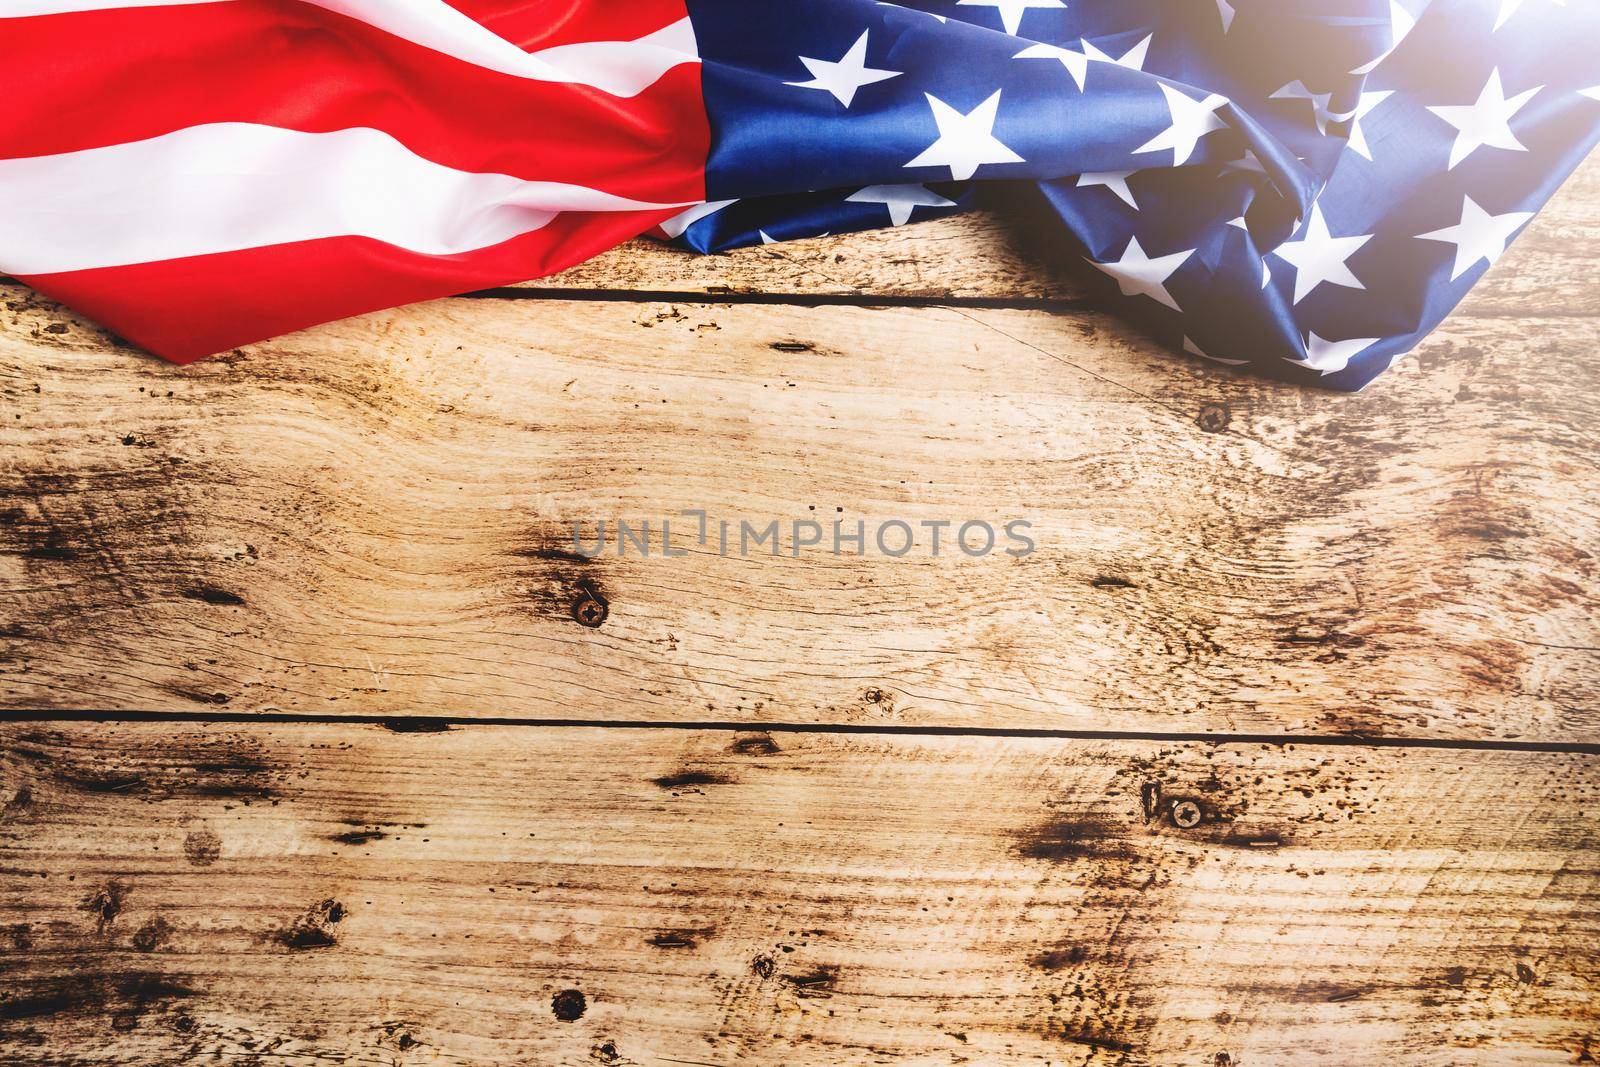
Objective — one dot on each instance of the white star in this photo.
(1479, 235)
(675, 226)
(1191, 120)
(766, 239)
(1318, 257)
(1225, 9)
(1331, 356)
(843, 78)
(1132, 59)
(1487, 122)
(1358, 136)
(1077, 63)
(966, 142)
(1194, 349)
(1011, 11)
(899, 199)
(1401, 23)
(1114, 180)
(1297, 90)
(1137, 273)
(1509, 8)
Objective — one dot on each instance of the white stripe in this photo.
(678, 223)
(230, 186)
(621, 68)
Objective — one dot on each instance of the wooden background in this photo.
(1281, 749)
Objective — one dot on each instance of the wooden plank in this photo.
(1007, 254)
(375, 518)
(343, 894)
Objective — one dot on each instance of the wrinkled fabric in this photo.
(1316, 233)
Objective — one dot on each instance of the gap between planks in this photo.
(405, 724)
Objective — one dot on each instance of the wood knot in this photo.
(569, 1005)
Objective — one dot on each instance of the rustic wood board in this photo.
(374, 518)
(369, 519)
(342, 893)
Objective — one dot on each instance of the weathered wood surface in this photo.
(344, 894)
(374, 517)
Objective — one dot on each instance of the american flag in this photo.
(1306, 187)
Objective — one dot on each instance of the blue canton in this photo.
(1303, 187)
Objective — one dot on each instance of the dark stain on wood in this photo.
(1061, 840)
(681, 938)
(570, 582)
(105, 904)
(358, 837)
(152, 935)
(1150, 799)
(1094, 1041)
(399, 1035)
(569, 1005)
(202, 847)
(754, 745)
(314, 929)
(107, 781)
(817, 982)
(1058, 959)
(124, 997)
(559, 555)
(210, 594)
(690, 779)
(196, 696)
(213, 767)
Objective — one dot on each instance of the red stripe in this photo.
(89, 79)
(184, 309)
(536, 24)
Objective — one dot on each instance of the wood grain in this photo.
(375, 518)
(344, 894)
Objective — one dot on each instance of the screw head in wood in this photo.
(1214, 418)
(589, 610)
(1186, 814)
